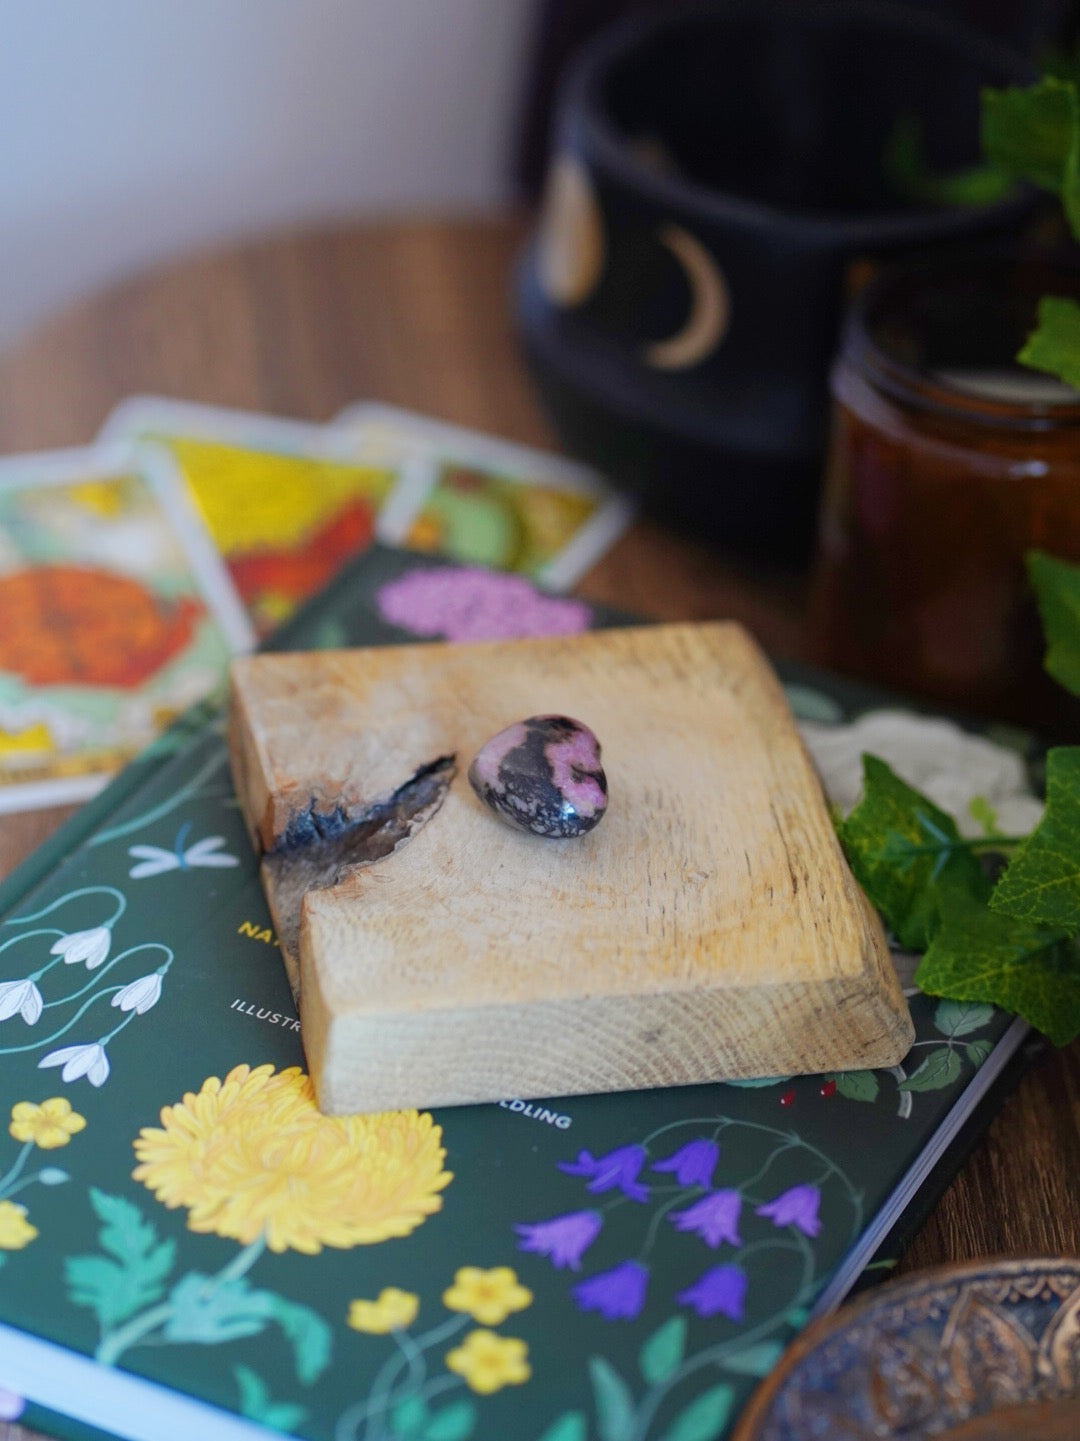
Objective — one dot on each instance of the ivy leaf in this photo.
(940, 1069)
(452, 1423)
(1042, 882)
(960, 1018)
(134, 1277)
(570, 1426)
(1057, 587)
(908, 170)
(858, 1085)
(756, 1360)
(705, 1418)
(1029, 131)
(902, 848)
(256, 1405)
(978, 954)
(614, 1404)
(977, 1051)
(663, 1351)
(1054, 344)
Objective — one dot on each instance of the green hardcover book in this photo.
(187, 1247)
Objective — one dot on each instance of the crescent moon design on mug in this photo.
(710, 306)
(570, 243)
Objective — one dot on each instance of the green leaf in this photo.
(1054, 344)
(960, 1018)
(208, 1310)
(256, 1405)
(902, 848)
(858, 1085)
(1057, 587)
(570, 1426)
(756, 1360)
(982, 955)
(977, 1051)
(614, 1403)
(908, 171)
(1042, 882)
(408, 1416)
(135, 1278)
(940, 1069)
(452, 1423)
(705, 1418)
(983, 814)
(663, 1351)
(1030, 132)
(797, 1316)
(311, 1338)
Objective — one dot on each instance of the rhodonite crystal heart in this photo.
(543, 775)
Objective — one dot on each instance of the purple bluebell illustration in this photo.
(721, 1291)
(618, 1294)
(693, 1163)
(619, 1169)
(564, 1239)
(795, 1207)
(714, 1218)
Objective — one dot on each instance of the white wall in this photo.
(132, 130)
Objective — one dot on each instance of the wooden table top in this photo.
(416, 314)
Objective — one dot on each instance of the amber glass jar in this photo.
(947, 462)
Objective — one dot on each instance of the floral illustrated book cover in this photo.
(188, 1247)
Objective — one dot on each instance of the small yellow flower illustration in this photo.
(253, 1155)
(49, 1125)
(489, 1362)
(393, 1311)
(488, 1296)
(15, 1230)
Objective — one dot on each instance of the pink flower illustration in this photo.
(618, 1294)
(693, 1163)
(466, 604)
(797, 1207)
(721, 1291)
(618, 1169)
(714, 1218)
(564, 1239)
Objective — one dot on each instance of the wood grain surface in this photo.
(708, 928)
(417, 314)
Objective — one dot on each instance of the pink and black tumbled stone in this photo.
(543, 775)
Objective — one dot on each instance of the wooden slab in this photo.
(708, 928)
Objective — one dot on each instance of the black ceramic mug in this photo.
(716, 170)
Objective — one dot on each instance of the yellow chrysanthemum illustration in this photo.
(393, 1311)
(49, 1125)
(489, 1362)
(15, 1230)
(253, 1155)
(487, 1296)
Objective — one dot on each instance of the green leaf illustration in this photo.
(614, 1403)
(1042, 882)
(1054, 344)
(1057, 589)
(960, 1018)
(663, 1351)
(982, 955)
(311, 1337)
(977, 1051)
(756, 1360)
(208, 1310)
(408, 1416)
(705, 1418)
(858, 1085)
(117, 1288)
(570, 1426)
(902, 849)
(940, 1069)
(452, 1423)
(256, 1405)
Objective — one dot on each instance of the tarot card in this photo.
(116, 614)
(286, 502)
(474, 498)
